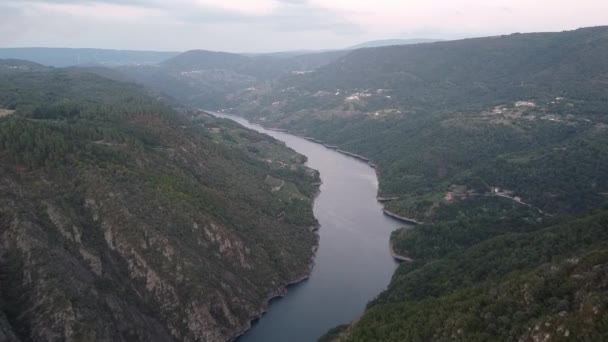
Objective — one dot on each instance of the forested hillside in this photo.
(122, 219)
(391, 42)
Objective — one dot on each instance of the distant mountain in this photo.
(370, 44)
(17, 65)
(390, 42)
(62, 57)
(258, 65)
(207, 78)
(288, 54)
(205, 60)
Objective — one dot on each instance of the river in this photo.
(353, 263)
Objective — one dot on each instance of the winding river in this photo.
(353, 263)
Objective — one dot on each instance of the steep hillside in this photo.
(17, 65)
(124, 220)
(466, 74)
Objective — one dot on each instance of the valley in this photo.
(160, 222)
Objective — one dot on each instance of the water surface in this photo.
(353, 263)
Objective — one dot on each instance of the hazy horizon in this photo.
(275, 25)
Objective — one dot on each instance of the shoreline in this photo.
(396, 256)
(387, 199)
(401, 218)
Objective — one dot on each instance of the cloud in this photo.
(460, 18)
(255, 25)
(145, 3)
(297, 15)
(9, 23)
(286, 16)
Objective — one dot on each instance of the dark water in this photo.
(353, 263)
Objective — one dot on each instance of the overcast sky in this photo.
(277, 25)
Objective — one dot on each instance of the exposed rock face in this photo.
(103, 265)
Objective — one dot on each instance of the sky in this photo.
(277, 25)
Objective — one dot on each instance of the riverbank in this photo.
(279, 293)
(401, 218)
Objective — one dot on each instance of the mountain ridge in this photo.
(390, 42)
(64, 57)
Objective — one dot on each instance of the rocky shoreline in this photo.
(283, 290)
(387, 199)
(279, 293)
